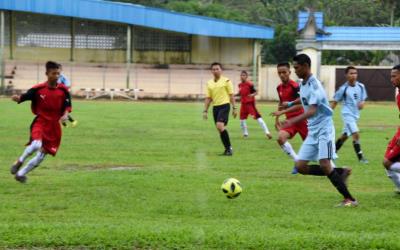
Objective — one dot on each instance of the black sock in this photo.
(315, 170)
(70, 118)
(357, 149)
(339, 171)
(337, 181)
(225, 139)
(339, 144)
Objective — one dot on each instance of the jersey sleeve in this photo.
(364, 94)
(229, 87)
(28, 96)
(338, 97)
(296, 90)
(66, 82)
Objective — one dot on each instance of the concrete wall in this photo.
(225, 50)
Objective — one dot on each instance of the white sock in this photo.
(30, 149)
(395, 167)
(287, 148)
(263, 125)
(395, 177)
(33, 163)
(243, 125)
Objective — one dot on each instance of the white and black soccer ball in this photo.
(231, 188)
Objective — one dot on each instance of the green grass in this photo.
(169, 195)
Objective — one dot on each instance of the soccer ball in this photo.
(231, 188)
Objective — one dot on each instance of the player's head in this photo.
(395, 76)
(283, 71)
(351, 74)
(216, 69)
(302, 65)
(244, 75)
(52, 71)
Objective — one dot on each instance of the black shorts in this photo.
(221, 113)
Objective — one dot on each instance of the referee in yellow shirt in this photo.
(220, 93)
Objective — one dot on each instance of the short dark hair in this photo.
(52, 65)
(349, 68)
(215, 64)
(244, 72)
(283, 64)
(397, 67)
(302, 59)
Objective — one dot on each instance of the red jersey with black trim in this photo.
(398, 101)
(288, 93)
(245, 89)
(49, 103)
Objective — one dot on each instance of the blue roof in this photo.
(142, 16)
(303, 18)
(362, 34)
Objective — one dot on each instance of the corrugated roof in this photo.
(363, 34)
(142, 16)
(303, 18)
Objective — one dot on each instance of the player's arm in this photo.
(233, 103)
(364, 97)
(29, 95)
(253, 91)
(288, 110)
(207, 103)
(285, 105)
(307, 114)
(67, 106)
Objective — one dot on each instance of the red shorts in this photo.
(247, 109)
(300, 127)
(393, 150)
(47, 131)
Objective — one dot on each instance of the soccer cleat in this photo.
(364, 161)
(345, 174)
(74, 123)
(397, 191)
(15, 167)
(348, 203)
(245, 136)
(294, 170)
(21, 178)
(64, 124)
(269, 136)
(227, 152)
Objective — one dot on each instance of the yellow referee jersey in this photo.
(219, 91)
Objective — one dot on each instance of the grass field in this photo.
(148, 176)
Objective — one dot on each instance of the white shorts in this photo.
(350, 127)
(319, 146)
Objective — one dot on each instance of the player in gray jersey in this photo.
(319, 144)
(352, 94)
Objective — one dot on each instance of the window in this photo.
(151, 39)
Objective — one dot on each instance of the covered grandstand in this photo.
(106, 44)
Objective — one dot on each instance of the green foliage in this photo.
(169, 197)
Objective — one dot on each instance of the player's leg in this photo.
(283, 137)
(260, 120)
(339, 143)
(29, 150)
(33, 163)
(221, 117)
(74, 122)
(391, 161)
(243, 117)
(357, 147)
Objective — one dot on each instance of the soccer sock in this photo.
(395, 167)
(395, 177)
(225, 139)
(70, 118)
(339, 144)
(29, 150)
(33, 163)
(288, 149)
(315, 170)
(339, 184)
(243, 125)
(263, 125)
(357, 149)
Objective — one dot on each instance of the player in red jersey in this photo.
(247, 95)
(50, 103)
(392, 156)
(288, 92)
